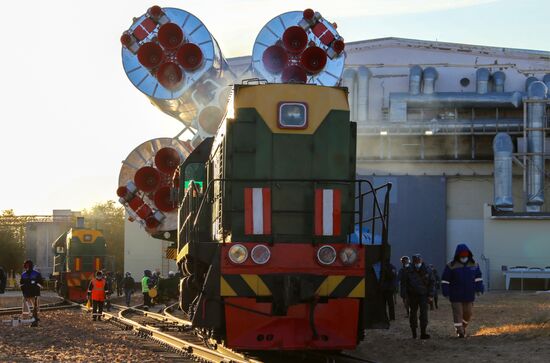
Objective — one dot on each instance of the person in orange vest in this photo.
(97, 291)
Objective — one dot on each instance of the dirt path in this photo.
(71, 336)
(512, 327)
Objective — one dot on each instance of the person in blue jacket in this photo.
(31, 282)
(460, 282)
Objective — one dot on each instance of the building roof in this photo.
(428, 45)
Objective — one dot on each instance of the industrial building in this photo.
(143, 252)
(40, 233)
(427, 115)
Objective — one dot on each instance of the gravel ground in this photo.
(71, 336)
(506, 326)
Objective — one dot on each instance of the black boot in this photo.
(423, 334)
(413, 330)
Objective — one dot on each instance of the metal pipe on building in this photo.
(535, 145)
(415, 79)
(546, 80)
(363, 77)
(482, 80)
(459, 126)
(499, 78)
(349, 80)
(430, 76)
(503, 149)
(463, 99)
(399, 102)
(530, 81)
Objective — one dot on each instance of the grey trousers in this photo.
(462, 313)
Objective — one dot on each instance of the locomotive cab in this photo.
(265, 233)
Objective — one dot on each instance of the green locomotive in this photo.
(268, 212)
(78, 254)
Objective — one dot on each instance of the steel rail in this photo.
(62, 304)
(187, 349)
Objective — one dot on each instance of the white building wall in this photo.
(142, 252)
(514, 242)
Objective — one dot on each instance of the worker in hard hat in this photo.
(460, 282)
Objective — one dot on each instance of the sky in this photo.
(69, 115)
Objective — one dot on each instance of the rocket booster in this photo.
(171, 57)
(299, 47)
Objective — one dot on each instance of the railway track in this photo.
(173, 337)
(176, 334)
(56, 305)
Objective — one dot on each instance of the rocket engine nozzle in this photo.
(295, 39)
(294, 74)
(167, 160)
(122, 191)
(170, 36)
(209, 119)
(275, 59)
(190, 56)
(147, 179)
(150, 55)
(313, 59)
(170, 76)
(164, 200)
(155, 11)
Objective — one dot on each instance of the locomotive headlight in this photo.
(326, 255)
(260, 254)
(348, 256)
(238, 253)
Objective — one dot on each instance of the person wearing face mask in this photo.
(418, 282)
(404, 264)
(460, 282)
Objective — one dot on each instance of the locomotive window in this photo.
(87, 238)
(292, 115)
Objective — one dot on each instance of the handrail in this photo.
(377, 213)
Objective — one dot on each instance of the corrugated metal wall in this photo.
(418, 217)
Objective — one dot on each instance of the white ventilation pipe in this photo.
(430, 76)
(363, 77)
(503, 149)
(535, 146)
(415, 79)
(349, 80)
(482, 80)
(499, 77)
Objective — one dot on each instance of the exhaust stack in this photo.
(536, 118)
(299, 47)
(503, 149)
